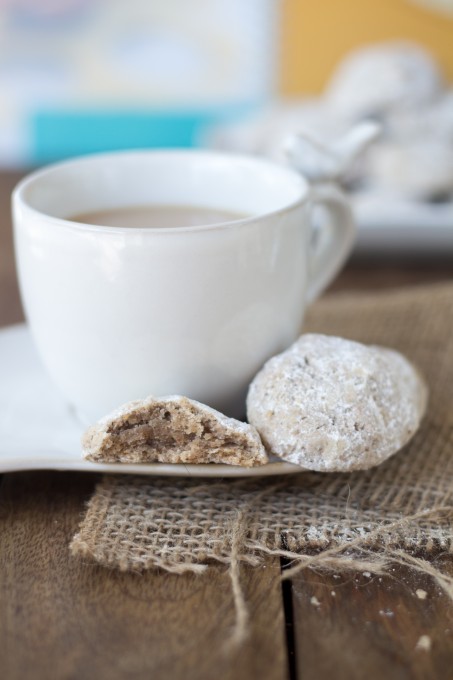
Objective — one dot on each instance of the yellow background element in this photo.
(318, 33)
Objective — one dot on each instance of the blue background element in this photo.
(58, 134)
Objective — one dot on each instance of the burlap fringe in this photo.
(354, 556)
(240, 630)
(365, 552)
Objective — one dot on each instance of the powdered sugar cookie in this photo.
(330, 404)
(381, 78)
(419, 170)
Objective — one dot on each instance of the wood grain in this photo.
(367, 627)
(61, 618)
(387, 273)
(10, 307)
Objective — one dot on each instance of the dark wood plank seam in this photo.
(288, 613)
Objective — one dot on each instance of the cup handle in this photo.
(335, 239)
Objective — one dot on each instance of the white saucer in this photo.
(396, 226)
(38, 430)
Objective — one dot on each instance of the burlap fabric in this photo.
(405, 506)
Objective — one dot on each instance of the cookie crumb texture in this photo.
(172, 430)
(330, 404)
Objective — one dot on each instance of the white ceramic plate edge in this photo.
(63, 462)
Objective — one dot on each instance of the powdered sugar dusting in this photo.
(331, 404)
(424, 643)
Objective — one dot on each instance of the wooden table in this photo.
(63, 619)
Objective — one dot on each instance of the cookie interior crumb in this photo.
(173, 430)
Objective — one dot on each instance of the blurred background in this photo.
(83, 75)
(79, 76)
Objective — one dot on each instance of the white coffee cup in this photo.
(119, 313)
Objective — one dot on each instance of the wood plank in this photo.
(383, 273)
(370, 627)
(64, 619)
(10, 307)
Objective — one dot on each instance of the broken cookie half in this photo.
(172, 430)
